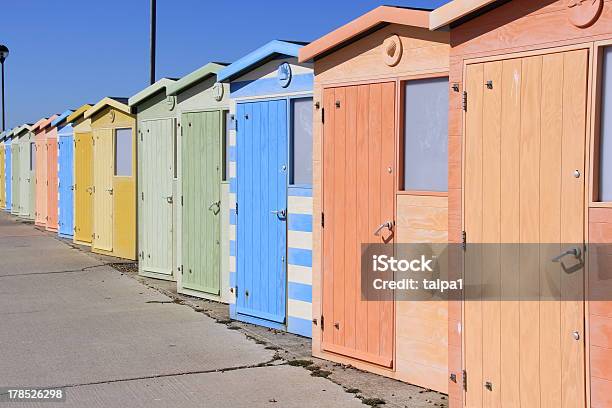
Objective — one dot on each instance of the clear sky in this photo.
(64, 53)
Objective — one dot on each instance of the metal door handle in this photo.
(388, 225)
(89, 190)
(215, 204)
(281, 213)
(169, 200)
(110, 191)
(573, 251)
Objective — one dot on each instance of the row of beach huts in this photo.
(254, 184)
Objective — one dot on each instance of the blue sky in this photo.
(68, 52)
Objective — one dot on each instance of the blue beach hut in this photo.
(65, 175)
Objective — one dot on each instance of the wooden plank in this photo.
(341, 191)
(509, 230)
(550, 233)
(83, 162)
(103, 183)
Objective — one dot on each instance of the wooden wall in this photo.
(420, 327)
(522, 26)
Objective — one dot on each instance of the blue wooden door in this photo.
(8, 164)
(66, 186)
(261, 196)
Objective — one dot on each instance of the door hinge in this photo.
(323, 115)
(142, 195)
(465, 101)
(181, 200)
(236, 207)
(463, 240)
(181, 269)
(322, 220)
(464, 379)
(322, 322)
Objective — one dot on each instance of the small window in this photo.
(605, 138)
(32, 155)
(123, 152)
(301, 142)
(227, 123)
(426, 135)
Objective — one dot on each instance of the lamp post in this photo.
(153, 34)
(4, 52)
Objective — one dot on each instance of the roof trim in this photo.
(78, 113)
(23, 128)
(149, 91)
(200, 74)
(455, 10)
(114, 103)
(381, 15)
(61, 118)
(47, 122)
(258, 57)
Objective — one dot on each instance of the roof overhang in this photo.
(375, 19)
(107, 102)
(78, 113)
(47, 123)
(456, 10)
(61, 118)
(197, 76)
(161, 85)
(22, 129)
(259, 57)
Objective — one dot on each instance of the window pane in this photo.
(32, 155)
(426, 135)
(605, 143)
(301, 143)
(225, 147)
(123, 152)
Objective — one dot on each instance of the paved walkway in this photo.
(69, 320)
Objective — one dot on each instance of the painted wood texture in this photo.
(262, 143)
(51, 224)
(7, 174)
(103, 189)
(156, 161)
(524, 348)
(359, 142)
(2, 177)
(15, 177)
(66, 183)
(26, 181)
(201, 209)
(83, 187)
(41, 179)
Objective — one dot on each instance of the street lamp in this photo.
(4, 52)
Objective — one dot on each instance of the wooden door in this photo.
(156, 163)
(524, 168)
(52, 184)
(262, 158)
(8, 166)
(15, 178)
(2, 179)
(25, 189)
(66, 186)
(358, 196)
(83, 187)
(41, 181)
(103, 189)
(201, 183)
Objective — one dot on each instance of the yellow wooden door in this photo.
(523, 328)
(103, 190)
(83, 162)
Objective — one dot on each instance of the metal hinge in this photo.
(322, 220)
(464, 379)
(181, 200)
(323, 115)
(236, 208)
(322, 322)
(465, 101)
(142, 195)
(463, 240)
(181, 269)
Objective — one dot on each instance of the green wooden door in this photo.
(156, 163)
(201, 184)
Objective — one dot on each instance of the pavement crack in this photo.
(54, 272)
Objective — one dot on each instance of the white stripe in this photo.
(300, 205)
(300, 274)
(232, 264)
(300, 239)
(299, 309)
(232, 169)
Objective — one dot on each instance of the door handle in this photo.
(576, 252)
(214, 204)
(110, 191)
(89, 190)
(169, 200)
(388, 225)
(280, 213)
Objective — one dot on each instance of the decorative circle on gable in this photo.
(171, 101)
(111, 115)
(583, 13)
(284, 74)
(218, 91)
(392, 50)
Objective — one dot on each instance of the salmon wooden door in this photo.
(524, 184)
(201, 184)
(52, 184)
(262, 155)
(41, 182)
(156, 200)
(83, 187)
(103, 189)
(358, 196)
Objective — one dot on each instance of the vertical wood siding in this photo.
(41, 179)
(103, 185)
(2, 177)
(15, 177)
(83, 187)
(8, 167)
(24, 171)
(66, 183)
(52, 180)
